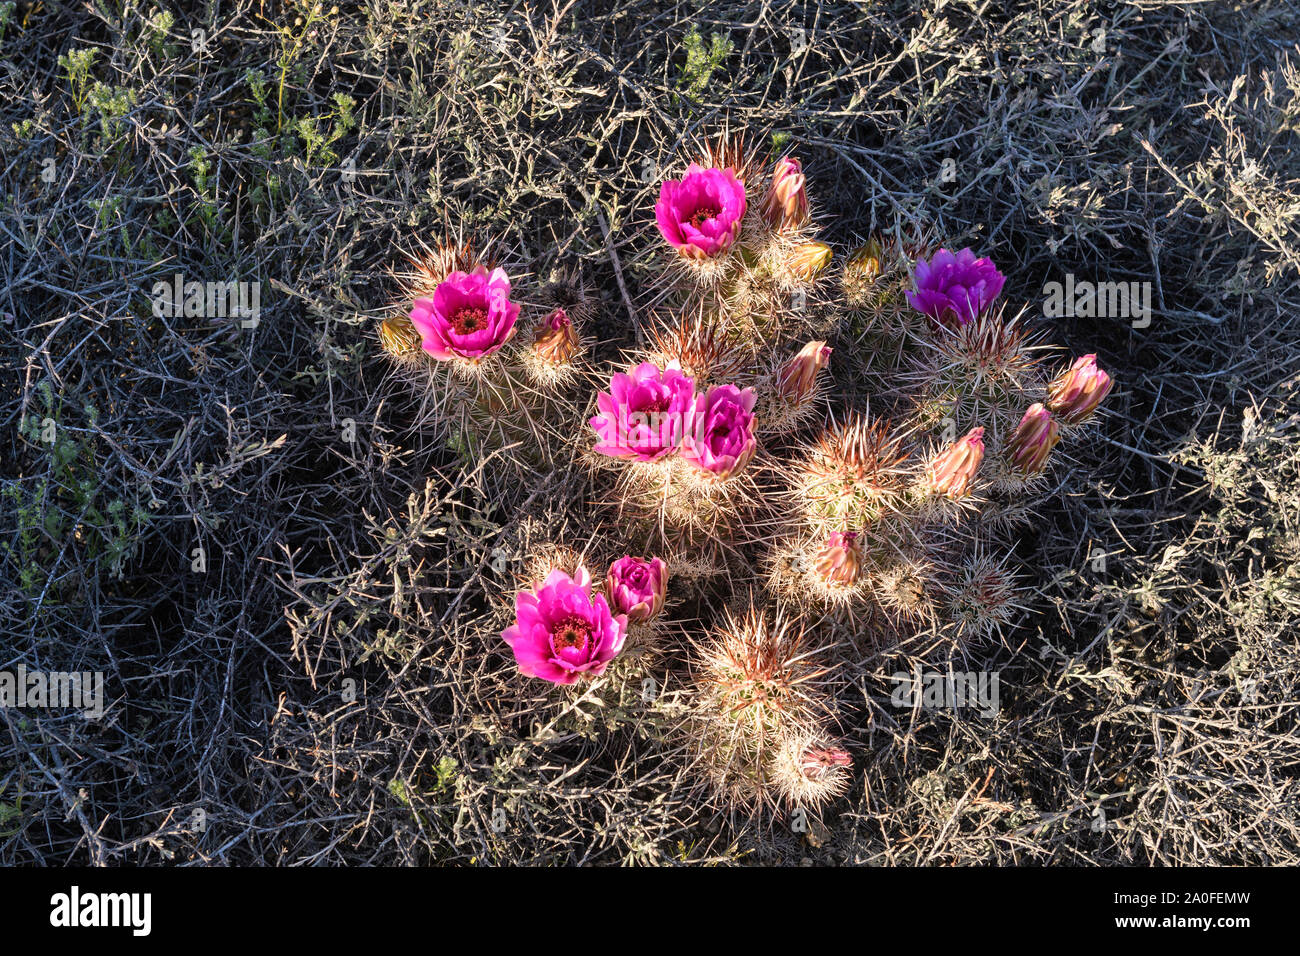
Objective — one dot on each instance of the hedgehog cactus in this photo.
(469, 317)
(729, 445)
(758, 685)
(489, 373)
(805, 772)
(795, 388)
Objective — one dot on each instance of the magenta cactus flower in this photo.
(700, 214)
(637, 587)
(562, 632)
(954, 289)
(645, 413)
(818, 762)
(469, 317)
(721, 437)
(1075, 394)
(1033, 440)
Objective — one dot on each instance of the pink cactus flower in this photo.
(798, 376)
(645, 413)
(953, 469)
(1033, 440)
(786, 204)
(700, 214)
(637, 587)
(1075, 394)
(721, 438)
(954, 289)
(469, 317)
(563, 632)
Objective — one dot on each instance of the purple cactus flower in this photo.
(637, 587)
(954, 289)
(721, 437)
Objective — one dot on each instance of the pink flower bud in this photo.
(786, 203)
(1033, 440)
(952, 469)
(817, 761)
(797, 378)
(637, 587)
(840, 561)
(1075, 394)
(556, 339)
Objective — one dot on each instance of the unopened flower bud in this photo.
(809, 259)
(818, 761)
(1075, 394)
(798, 376)
(1033, 440)
(637, 587)
(839, 561)
(952, 469)
(786, 203)
(556, 339)
(398, 336)
(864, 264)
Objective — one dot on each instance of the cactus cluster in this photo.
(485, 378)
(769, 505)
